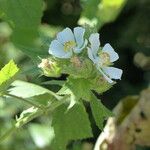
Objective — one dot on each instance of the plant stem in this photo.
(38, 113)
(57, 104)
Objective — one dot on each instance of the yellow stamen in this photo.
(104, 58)
(69, 45)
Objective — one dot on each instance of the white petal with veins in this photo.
(56, 49)
(112, 72)
(79, 36)
(108, 49)
(95, 42)
(65, 36)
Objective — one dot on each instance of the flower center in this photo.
(104, 58)
(69, 45)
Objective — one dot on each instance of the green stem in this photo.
(36, 114)
(57, 103)
(26, 101)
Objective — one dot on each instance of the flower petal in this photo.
(90, 55)
(112, 72)
(95, 42)
(56, 49)
(79, 49)
(65, 36)
(108, 49)
(79, 36)
(105, 76)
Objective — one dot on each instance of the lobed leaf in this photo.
(32, 92)
(99, 111)
(70, 125)
(79, 87)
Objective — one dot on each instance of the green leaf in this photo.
(27, 90)
(99, 111)
(99, 12)
(105, 12)
(43, 99)
(89, 15)
(79, 87)
(100, 85)
(24, 16)
(70, 125)
(7, 74)
(32, 92)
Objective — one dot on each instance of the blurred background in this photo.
(125, 24)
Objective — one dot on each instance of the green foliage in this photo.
(7, 74)
(32, 92)
(78, 67)
(78, 88)
(70, 125)
(105, 12)
(89, 15)
(99, 111)
(100, 85)
(24, 16)
(27, 90)
(99, 12)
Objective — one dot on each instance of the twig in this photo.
(39, 111)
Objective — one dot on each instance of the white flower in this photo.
(103, 58)
(68, 42)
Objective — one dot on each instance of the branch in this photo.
(34, 112)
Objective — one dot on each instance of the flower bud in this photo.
(100, 84)
(50, 68)
(79, 67)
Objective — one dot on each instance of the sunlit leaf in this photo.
(99, 12)
(27, 90)
(7, 74)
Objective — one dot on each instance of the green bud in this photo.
(100, 84)
(79, 67)
(50, 68)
